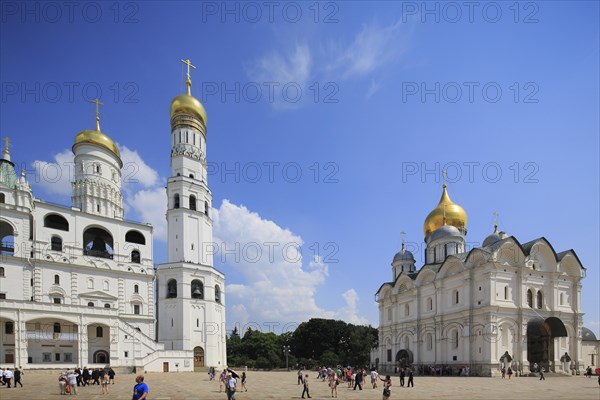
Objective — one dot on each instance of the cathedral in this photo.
(498, 305)
(78, 285)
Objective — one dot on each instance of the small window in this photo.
(171, 289)
(389, 355)
(56, 327)
(540, 299)
(136, 309)
(430, 304)
(56, 279)
(135, 257)
(176, 201)
(406, 310)
(197, 322)
(126, 354)
(455, 339)
(2, 198)
(2, 296)
(68, 357)
(192, 176)
(562, 299)
(98, 207)
(217, 294)
(90, 283)
(2, 272)
(57, 300)
(91, 304)
(99, 331)
(506, 292)
(56, 243)
(9, 328)
(193, 202)
(456, 297)
(136, 289)
(105, 285)
(107, 305)
(530, 298)
(197, 289)
(429, 341)
(57, 357)
(206, 208)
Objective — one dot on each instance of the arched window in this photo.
(97, 242)
(2, 198)
(429, 341)
(540, 299)
(192, 176)
(135, 237)
(106, 305)
(90, 283)
(406, 310)
(99, 331)
(56, 279)
(217, 294)
(55, 221)
(429, 304)
(7, 236)
(206, 208)
(455, 339)
(135, 256)
(91, 304)
(171, 289)
(2, 271)
(506, 292)
(136, 289)
(193, 202)
(105, 285)
(456, 297)
(406, 342)
(56, 243)
(197, 289)
(56, 327)
(530, 298)
(176, 201)
(562, 299)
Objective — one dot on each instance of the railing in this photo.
(97, 253)
(7, 248)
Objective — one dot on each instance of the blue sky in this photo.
(505, 96)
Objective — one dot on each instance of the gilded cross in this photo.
(445, 175)
(189, 64)
(98, 104)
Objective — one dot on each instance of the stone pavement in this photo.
(283, 385)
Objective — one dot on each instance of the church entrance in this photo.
(198, 358)
(540, 341)
(404, 358)
(101, 357)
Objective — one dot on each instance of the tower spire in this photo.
(402, 234)
(188, 81)
(98, 103)
(6, 152)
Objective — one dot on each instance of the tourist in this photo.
(510, 372)
(2, 376)
(223, 380)
(402, 375)
(231, 387)
(588, 372)
(86, 376)
(17, 377)
(374, 379)
(140, 390)
(358, 379)
(305, 384)
(352, 378)
(62, 383)
(503, 372)
(410, 383)
(104, 381)
(72, 381)
(244, 381)
(333, 384)
(387, 384)
(8, 375)
(542, 377)
(299, 375)
(111, 376)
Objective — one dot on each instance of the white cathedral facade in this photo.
(501, 304)
(78, 285)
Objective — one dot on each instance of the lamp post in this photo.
(286, 351)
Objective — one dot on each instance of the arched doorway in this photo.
(198, 357)
(404, 358)
(101, 357)
(540, 341)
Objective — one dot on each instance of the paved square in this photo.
(283, 385)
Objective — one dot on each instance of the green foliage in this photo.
(315, 342)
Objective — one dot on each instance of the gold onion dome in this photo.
(99, 139)
(446, 209)
(186, 103)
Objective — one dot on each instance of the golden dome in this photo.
(188, 104)
(98, 138)
(455, 215)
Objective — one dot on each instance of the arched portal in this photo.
(98, 343)
(540, 341)
(404, 358)
(198, 357)
(100, 357)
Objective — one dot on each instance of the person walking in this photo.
(333, 384)
(402, 376)
(140, 390)
(305, 385)
(300, 376)
(72, 381)
(104, 381)
(223, 380)
(411, 382)
(358, 380)
(387, 384)
(85, 376)
(542, 377)
(231, 387)
(62, 383)
(374, 378)
(111, 376)
(244, 381)
(17, 375)
(510, 372)
(8, 375)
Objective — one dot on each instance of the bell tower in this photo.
(191, 303)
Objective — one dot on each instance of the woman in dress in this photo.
(104, 381)
(244, 381)
(333, 383)
(223, 380)
(387, 384)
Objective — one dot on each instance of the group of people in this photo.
(69, 381)
(355, 378)
(229, 381)
(7, 376)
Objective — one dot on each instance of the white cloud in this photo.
(276, 285)
(150, 205)
(135, 170)
(55, 177)
(373, 88)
